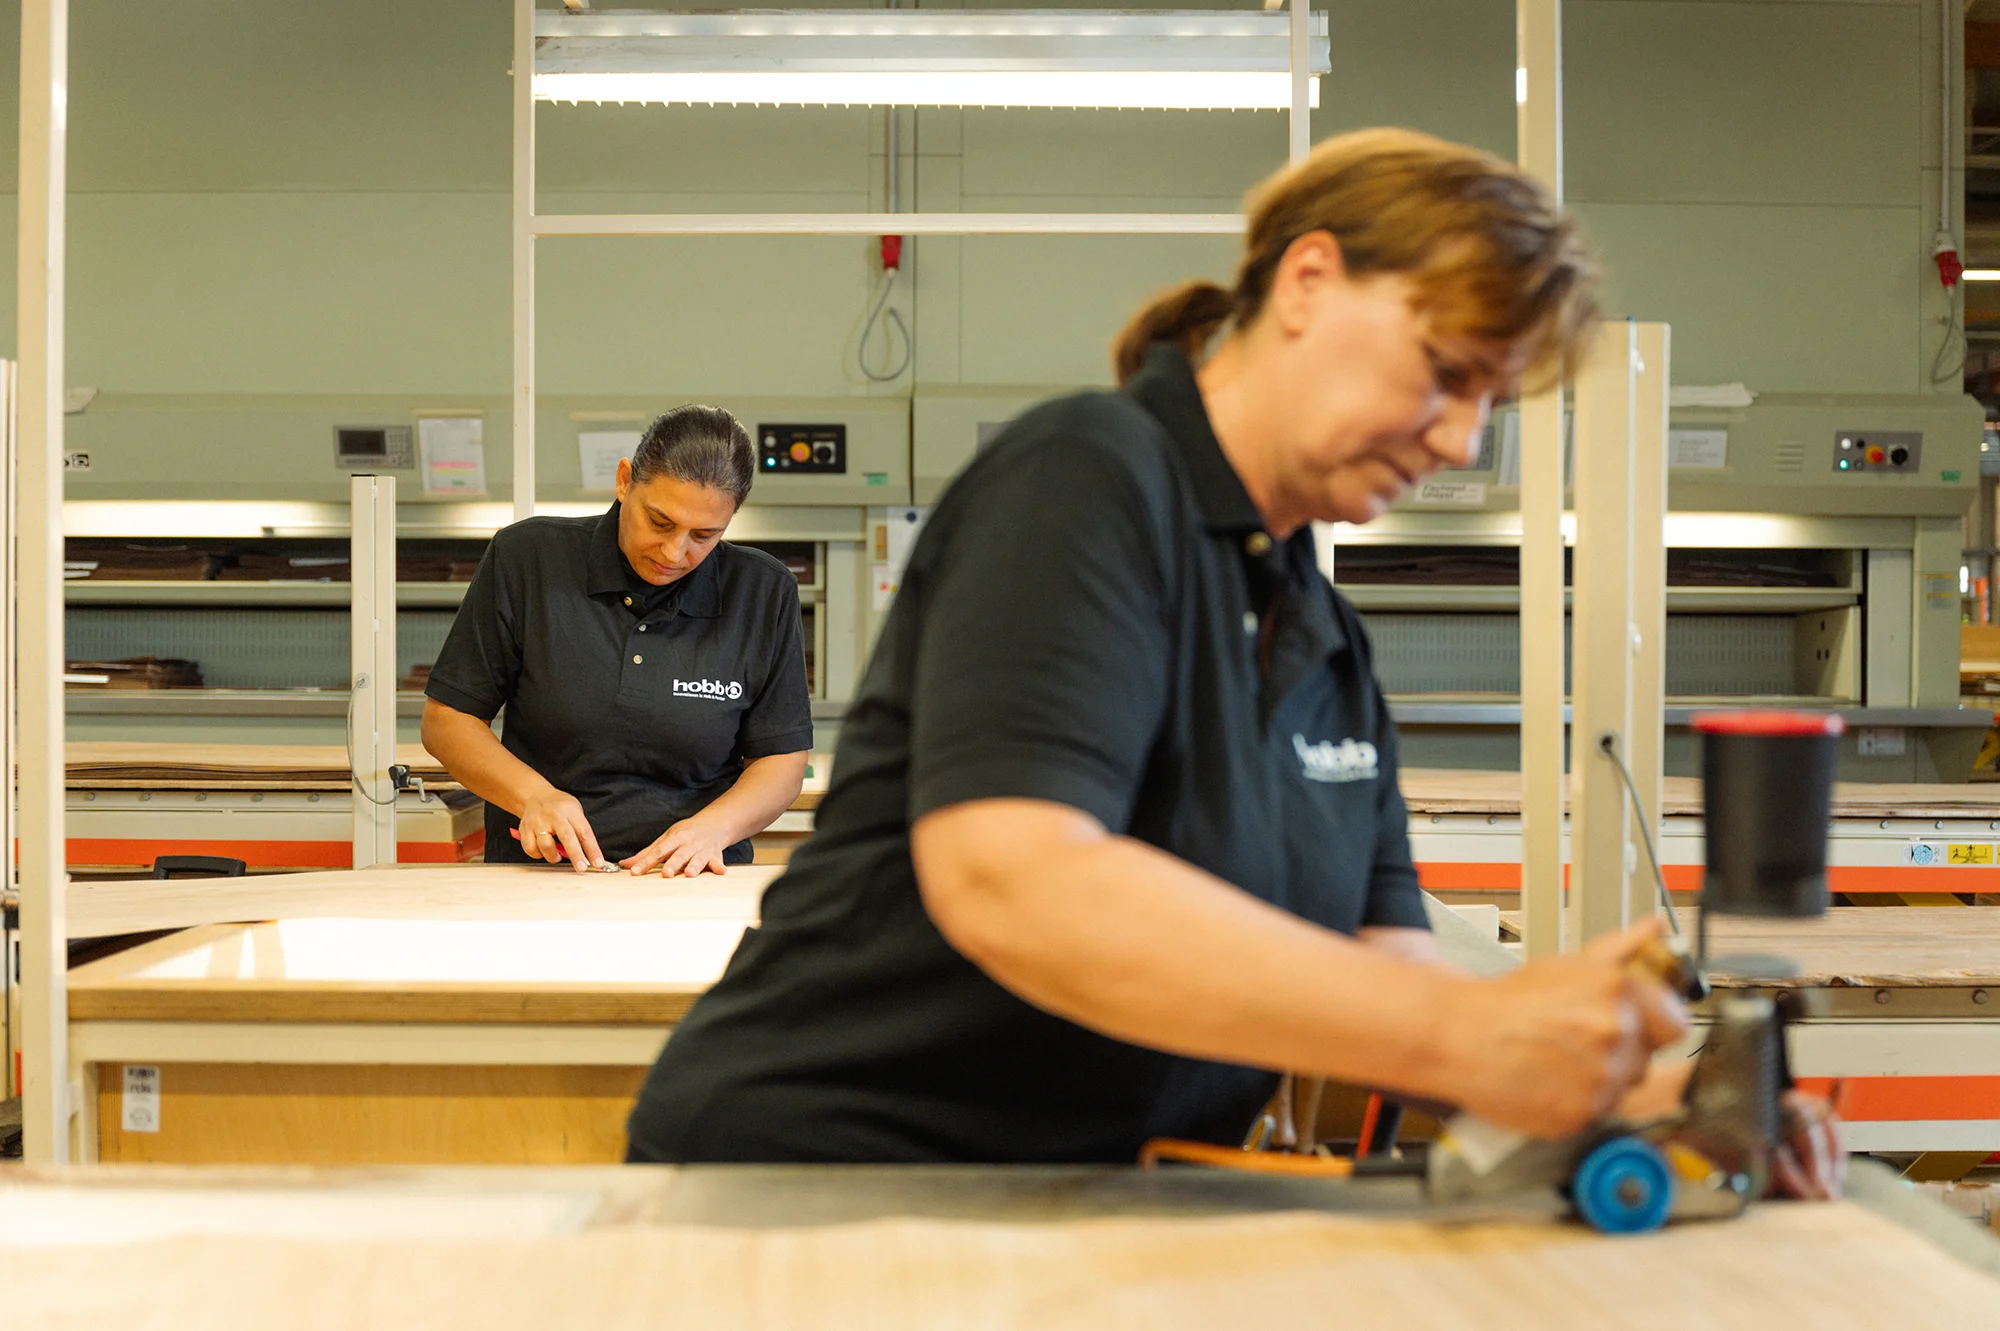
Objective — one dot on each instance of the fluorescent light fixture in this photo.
(1192, 60)
(1981, 275)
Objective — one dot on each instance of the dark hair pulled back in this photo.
(699, 444)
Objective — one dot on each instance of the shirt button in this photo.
(1259, 544)
(638, 660)
(642, 628)
(1249, 621)
(628, 600)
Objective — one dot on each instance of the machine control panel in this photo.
(802, 450)
(371, 448)
(1878, 450)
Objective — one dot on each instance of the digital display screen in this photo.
(363, 443)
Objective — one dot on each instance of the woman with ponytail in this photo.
(1114, 835)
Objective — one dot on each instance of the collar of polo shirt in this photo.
(1166, 388)
(698, 594)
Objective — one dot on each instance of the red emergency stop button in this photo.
(802, 452)
(1875, 456)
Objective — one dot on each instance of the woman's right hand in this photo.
(1551, 1047)
(553, 825)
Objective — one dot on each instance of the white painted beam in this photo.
(39, 337)
(1538, 130)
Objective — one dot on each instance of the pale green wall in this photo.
(310, 199)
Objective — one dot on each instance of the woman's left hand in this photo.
(687, 848)
(1811, 1160)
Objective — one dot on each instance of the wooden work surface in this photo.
(475, 943)
(532, 1249)
(1429, 790)
(122, 765)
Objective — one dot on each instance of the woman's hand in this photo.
(1811, 1161)
(691, 846)
(553, 825)
(1553, 1046)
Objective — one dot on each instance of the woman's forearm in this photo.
(477, 760)
(1127, 940)
(765, 789)
(1139, 945)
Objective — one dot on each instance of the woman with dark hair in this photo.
(653, 676)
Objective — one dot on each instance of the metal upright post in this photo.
(1538, 119)
(46, 1101)
(1601, 842)
(1647, 756)
(1301, 125)
(371, 708)
(524, 259)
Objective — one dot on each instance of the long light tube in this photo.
(1192, 60)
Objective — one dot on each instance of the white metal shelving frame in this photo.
(530, 226)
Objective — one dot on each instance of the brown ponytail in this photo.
(1488, 250)
(1189, 316)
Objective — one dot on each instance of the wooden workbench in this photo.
(472, 1013)
(941, 1250)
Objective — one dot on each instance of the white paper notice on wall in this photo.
(1697, 450)
(142, 1098)
(1463, 494)
(886, 581)
(600, 452)
(451, 453)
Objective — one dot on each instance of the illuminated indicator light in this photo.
(1843, 464)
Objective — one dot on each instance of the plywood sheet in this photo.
(131, 765)
(140, 765)
(1874, 947)
(429, 892)
(1429, 790)
(1830, 1267)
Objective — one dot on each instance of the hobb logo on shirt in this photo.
(716, 689)
(1349, 760)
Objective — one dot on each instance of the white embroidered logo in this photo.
(714, 689)
(1349, 760)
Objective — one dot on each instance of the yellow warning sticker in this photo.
(1964, 853)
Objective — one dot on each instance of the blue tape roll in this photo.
(1624, 1186)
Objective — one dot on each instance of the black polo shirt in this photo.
(643, 702)
(1094, 615)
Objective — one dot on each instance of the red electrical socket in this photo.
(1950, 269)
(892, 253)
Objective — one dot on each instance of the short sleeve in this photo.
(779, 720)
(1044, 653)
(480, 663)
(1395, 898)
